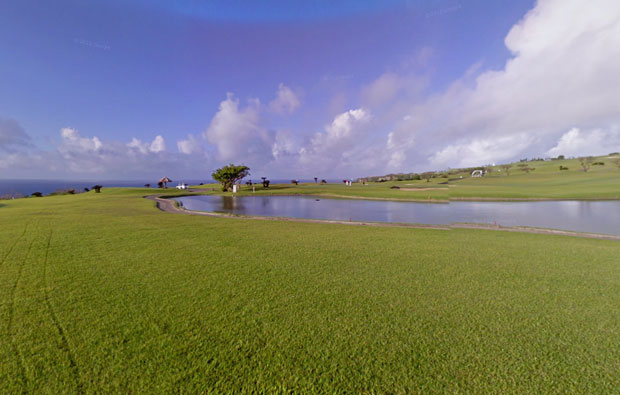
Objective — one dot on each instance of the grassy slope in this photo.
(101, 292)
(546, 182)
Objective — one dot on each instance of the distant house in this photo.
(477, 173)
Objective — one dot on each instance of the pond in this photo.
(579, 216)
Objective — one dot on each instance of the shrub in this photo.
(37, 194)
(563, 168)
(63, 192)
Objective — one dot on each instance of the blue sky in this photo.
(136, 89)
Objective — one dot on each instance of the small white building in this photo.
(182, 186)
(477, 173)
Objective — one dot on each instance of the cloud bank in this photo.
(562, 75)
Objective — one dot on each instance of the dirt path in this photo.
(169, 206)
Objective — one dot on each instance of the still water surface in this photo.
(580, 216)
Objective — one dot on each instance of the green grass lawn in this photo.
(547, 181)
(105, 293)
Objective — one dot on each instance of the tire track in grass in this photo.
(9, 328)
(4, 258)
(63, 337)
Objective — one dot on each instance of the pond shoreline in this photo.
(170, 206)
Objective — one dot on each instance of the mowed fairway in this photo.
(105, 293)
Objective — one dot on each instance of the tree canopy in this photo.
(229, 175)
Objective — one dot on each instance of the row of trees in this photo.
(231, 174)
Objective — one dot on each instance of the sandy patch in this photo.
(423, 189)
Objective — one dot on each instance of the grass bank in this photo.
(104, 293)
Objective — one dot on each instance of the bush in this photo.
(37, 194)
(563, 168)
(63, 192)
(598, 164)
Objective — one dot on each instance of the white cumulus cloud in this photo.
(73, 142)
(481, 151)
(190, 146)
(237, 133)
(338, 144)
(576, 142)
(562, 74)
(158, 144)
(286, 100)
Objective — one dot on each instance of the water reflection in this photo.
(231, 204)
(583, 216)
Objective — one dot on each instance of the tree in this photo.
(524, 167)
(229, 175)
(97, 188)
(427, 176)
(316, 179)
(586, 163)
(506, 169)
